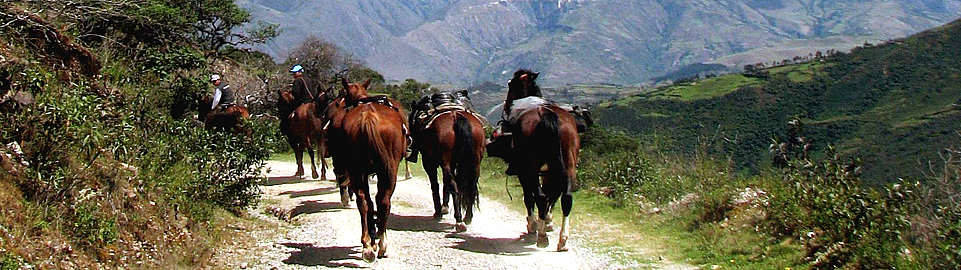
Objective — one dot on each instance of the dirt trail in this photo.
(323, 234)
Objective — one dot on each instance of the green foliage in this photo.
(891, 104)
(9, 262)
(93, 228)
(408, 92)
(823, 202)
(625, 177)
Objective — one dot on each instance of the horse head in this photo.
(323, 100)
(285, 102)
(523, 85)
(353, 92)
(203, 107)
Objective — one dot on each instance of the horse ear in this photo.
(534, 75)
(367, 83)
(343, 81)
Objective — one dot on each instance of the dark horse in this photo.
(303, 126)
(230, 119)
(371, 140)
(544, 135)
(454, 141)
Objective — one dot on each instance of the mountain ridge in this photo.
(579, 41)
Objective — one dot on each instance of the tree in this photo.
(322, 60)
(218, 24)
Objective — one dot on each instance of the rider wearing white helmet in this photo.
(223, 96)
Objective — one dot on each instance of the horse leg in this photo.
(407, 170)
(567, 202)
(359, 185)
(431, 168)
(321, 148)
(450, 188)
(299, 155)
(386, 182)
(531, 183)
(344, 183)
(530, 189)
(549, 219)
(313, 165)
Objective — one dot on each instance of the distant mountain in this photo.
(895, 105)
(464, 42)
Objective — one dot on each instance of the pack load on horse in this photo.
(368, 136)
(220, 111)
(451, 136)
(301, 113)
(540, 142)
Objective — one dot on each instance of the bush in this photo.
(843, 224)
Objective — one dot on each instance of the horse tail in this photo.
(368, 125)
(466, 172)
(549, 127)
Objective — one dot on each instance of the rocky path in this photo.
(320, 233)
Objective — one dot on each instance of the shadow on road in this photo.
(309, 255)
(310, 207)
(502, 246)
(417, 224)
(283, 180)
(311, 192)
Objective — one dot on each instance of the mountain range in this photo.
(467, 42)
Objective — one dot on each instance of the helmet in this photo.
(214, 77)
(297, 68)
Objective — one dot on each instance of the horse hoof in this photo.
(438, 215)
(549, 227)
(344, 199)
(382, 253)
(445, 210)
(562, 244)
(460, 227)
(315, 175)
(542, 241)
(369, 255)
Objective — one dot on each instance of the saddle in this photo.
(430, 107)
(378, 99)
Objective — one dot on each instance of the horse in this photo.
(372, 140)
(334, 138)
(454, 141)
(230, 119)
(543, 134)
(303, 126)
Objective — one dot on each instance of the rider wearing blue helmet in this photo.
(301, 87)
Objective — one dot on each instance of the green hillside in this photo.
(894, 105)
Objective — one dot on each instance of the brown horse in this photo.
(453, 141)
(303, 126)
(371, 140)
(230, 119)
(546, 136)
(543, 135)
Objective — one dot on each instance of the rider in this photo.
(223, 95)
(301, 87)
(521, 86)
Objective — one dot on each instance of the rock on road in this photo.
(320, 233)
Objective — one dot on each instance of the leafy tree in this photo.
(409, 91)
(322, 60)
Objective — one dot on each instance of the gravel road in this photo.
(319, 233)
